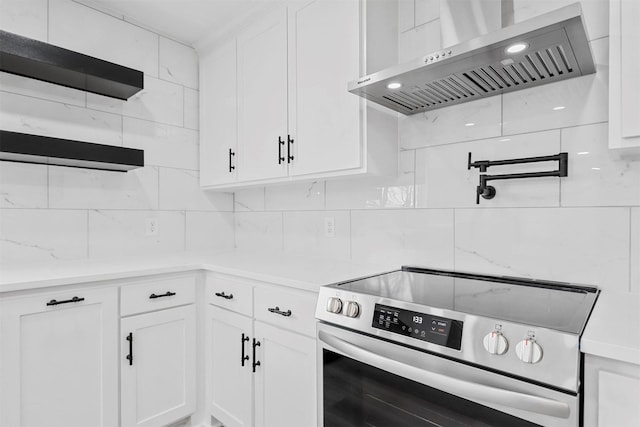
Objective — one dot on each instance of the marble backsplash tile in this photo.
(23, 185)
(444, 181)
(304, 232)
(579, 245)
(209, 231)
(86, 30)
(259, 231)
(32, 235)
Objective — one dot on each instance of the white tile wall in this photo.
(443, 180)
(580, 245)
(373, 192)
(210, 231)
(39, 89)
(259, 231)
(26, 18)
(125, 230)
(635, 251)
(305, 196)
(584, 228)
(53, 212)
(42, 235)
(19, 113)
(23, 185)
(595, 177)
(396, 237)
(304, 232)
(85, 30)
(180, 190)
(159, 101)
(178, 63)
(72, 188)
(464, 122)
(163, 145)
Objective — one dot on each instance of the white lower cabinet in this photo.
(158, 367)
(285, 381)
(58, 359)
(261, 369)
(612, 393)
(229, 366)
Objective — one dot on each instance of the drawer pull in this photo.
(168, 294)
(277, 310)
(223, 295)
(244, 358)
(255, 362)
(130, 355)
(74, 299)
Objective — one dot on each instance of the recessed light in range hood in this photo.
(544, 49)
(42, 61)
(26, 148)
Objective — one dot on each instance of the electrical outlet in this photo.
(329, 227)
(151, 227)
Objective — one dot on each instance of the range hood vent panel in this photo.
(42, 61)
(557, 49)
(26, 148)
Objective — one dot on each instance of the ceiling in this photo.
(193, 22)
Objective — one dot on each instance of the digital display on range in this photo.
(425, 327)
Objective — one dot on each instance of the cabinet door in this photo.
(285, 381)
(59, 361)
(218, 116)
(324, 116)
(624, 66)
(262, 99)
(229, 378)
(158, 384)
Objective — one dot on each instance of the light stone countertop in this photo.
(613, 331)
(307, 273)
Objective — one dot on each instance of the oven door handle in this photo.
(458, 387)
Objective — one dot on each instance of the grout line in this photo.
(185, 230)
(629, 286)
(48, 20)
(454, 239)
(88, 233)
(350, 236)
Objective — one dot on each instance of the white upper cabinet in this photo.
(323, 116)
(218, 127)
(624, 67)
(262, 99)
(292, 116)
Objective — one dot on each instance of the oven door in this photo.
(365, 381)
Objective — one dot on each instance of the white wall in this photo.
(52, 212)
(584, 228)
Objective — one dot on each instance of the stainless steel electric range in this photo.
(418, 347)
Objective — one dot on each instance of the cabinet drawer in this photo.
(287, 308)
(230, 293)
(157, 294)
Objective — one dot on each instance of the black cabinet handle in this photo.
(255, 362)
(244, 338)
(168, 294)
(223, 295)
(280, 144)
(130, 355)
(231, 166)
(74, 299)
(277, 310)
(289, 143)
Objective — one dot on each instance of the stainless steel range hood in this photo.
(556, 47)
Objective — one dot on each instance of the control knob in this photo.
(529, 351)
(352, 309)
(334, 305)
(495, 343)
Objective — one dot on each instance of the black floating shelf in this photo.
(42, 61)
(25, 148)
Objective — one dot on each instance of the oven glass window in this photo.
(359, 395)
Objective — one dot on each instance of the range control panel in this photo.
(425, 327)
